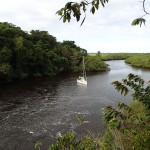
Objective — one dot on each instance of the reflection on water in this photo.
(41, 109)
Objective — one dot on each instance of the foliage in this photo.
(139, 60)
(95, 63)
(138, 21)
(70, 142)
(77, 9)
(6, 71)
(38, 53)
(38, 145)
(74, 55)
(115, 56)
(141, 92)
(128, 127)
(98, 53)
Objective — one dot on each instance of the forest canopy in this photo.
(36, 54)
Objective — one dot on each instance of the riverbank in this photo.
(142, 61)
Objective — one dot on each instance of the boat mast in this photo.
(84, 72)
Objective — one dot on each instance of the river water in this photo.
(42, 109)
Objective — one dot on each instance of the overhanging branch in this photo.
(144, 9)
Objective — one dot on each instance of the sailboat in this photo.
(83, 79)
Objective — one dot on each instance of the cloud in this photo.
(109, 28)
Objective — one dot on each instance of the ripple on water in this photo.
(45, 108)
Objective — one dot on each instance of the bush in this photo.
(129, 125)
(139, 61)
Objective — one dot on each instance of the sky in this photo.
(108, 30)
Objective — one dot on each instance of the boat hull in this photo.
(82, 81)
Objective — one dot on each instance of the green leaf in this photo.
(97, 6)
(102, 3)
(138, 21)
(78, 17)
(93, 10)
(93, 2)
(68, 5)
(68, 17)
(64, 19)
(126, 91)
(59, 12)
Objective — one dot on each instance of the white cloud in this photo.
(108, 29)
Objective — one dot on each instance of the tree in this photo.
(5, 55)
(77, 9)
(98, 53)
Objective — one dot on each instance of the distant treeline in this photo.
(36, 53)
(134, 59)
(116, 56)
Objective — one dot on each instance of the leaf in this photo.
(97, 6)
(122, 90)
(93, 2)
(68, 17)
(78, 17)
(131, 76)
(64, 19)
(115, 83)
(59, 12)
(102, 3)
(93, 10)
(138, 21)
(68, 5)
(126, 92)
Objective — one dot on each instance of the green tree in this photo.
(48, 42)
(6, 72)
(95, 64)
(98, 53)
(5, 55)
(37, 53)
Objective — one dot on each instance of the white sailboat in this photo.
(83, 79)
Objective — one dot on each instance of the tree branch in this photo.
(144, 9)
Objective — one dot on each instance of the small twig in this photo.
(144, 9)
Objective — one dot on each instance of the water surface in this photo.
(44, 108)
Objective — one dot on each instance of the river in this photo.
(42, 109)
